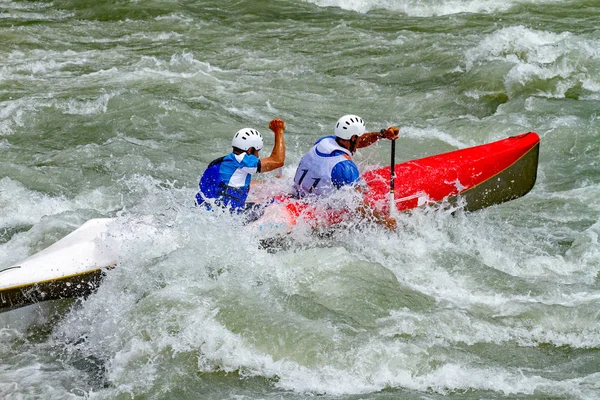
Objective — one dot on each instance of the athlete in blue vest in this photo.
(328, 164)
(226, 181)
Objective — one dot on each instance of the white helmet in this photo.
(246, 138)
(348, 126)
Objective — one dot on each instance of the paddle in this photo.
(392, 179)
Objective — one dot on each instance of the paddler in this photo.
(226, 181)
(328, 165)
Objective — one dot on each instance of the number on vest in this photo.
(315, 183)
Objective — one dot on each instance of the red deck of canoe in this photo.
(438, 177)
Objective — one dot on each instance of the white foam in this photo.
(87, 107)
(198, 287)
(32, 12)
(30, 208)
(176, 17)
(427, 8)
(11, 115)
(433, 133)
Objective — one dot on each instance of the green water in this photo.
(114, 109)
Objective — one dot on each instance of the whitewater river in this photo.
(114, 109)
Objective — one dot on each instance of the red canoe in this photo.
(482, 175)
(478, 177)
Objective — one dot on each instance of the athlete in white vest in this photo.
(328, 164)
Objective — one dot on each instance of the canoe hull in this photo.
(71, 267)
(63, 287)
(479, 176)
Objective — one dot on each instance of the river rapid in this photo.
(114, 109)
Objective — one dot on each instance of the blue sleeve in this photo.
(344, 173)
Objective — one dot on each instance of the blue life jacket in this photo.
(227, 180)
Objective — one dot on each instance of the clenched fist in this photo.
(277, 125)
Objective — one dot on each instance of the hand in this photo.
(377, 216)
(390, 223)
(277, 125)
(391, 133)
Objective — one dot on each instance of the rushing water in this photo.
(115, 108)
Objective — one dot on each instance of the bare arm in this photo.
(367, 139)
(277, 157)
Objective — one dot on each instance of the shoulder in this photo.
(328, 147)
(327, 138)
(250, 161)
(345, 173)
(241, 160)
(216, 162)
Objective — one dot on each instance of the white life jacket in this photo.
(313, 176)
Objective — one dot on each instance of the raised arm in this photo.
(367, 139)
(277, 157)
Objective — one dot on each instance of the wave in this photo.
(547, 64)
(428, 8)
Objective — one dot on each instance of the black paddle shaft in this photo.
(393, 167)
